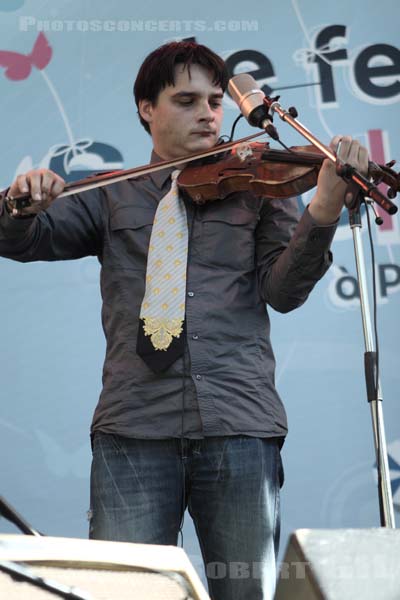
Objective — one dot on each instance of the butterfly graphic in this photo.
(18, 66)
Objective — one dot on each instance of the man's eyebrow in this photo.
(194, 94)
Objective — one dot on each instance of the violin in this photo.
(244, 166)
(268, 172)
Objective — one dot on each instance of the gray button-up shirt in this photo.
(244, 252)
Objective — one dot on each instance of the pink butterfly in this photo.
(19, 66)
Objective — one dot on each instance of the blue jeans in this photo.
(140, 489)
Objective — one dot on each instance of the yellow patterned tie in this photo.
(163, 306)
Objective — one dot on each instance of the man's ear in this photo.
(146, 110)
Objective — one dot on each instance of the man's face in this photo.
(187, 116)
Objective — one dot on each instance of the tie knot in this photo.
(175, 174)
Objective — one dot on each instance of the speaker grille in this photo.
(99, 583)
(101, 570)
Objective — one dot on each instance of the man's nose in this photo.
(205, 112)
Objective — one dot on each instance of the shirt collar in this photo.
(160, 177)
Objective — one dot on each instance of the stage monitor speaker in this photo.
(101, 570)
(342, 564)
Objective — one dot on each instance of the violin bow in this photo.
(16, 203)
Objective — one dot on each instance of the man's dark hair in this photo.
(157, 70)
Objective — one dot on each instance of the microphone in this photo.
(250, 99)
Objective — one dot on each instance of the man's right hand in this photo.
(43, 186)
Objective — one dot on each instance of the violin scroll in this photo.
(391, 178)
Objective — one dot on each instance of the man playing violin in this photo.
(202, 427)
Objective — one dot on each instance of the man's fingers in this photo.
(52, 185)
(19, 186)
(335, 142)
(352, 152)
(364, 160)
(58, 186)
(343, 148)
(22, 185)
(35, 184)
(47, 183)
(41, 184)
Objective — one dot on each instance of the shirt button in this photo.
(190, 294)
(198, 377)
(195, 336)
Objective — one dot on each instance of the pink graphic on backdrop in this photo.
(18, 66)
(77, 158)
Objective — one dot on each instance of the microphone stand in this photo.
(364, 188)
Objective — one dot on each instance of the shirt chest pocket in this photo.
(228, 238)
(130, 230)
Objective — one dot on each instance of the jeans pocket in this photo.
(106, 443)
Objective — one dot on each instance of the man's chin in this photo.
(192, 146)
(202, 143)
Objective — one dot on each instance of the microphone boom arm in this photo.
(345, 171)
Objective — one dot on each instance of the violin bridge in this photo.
(242, 151)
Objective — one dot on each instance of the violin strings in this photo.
(236, 121)
(286, 147)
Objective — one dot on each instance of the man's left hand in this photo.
(326, 205)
